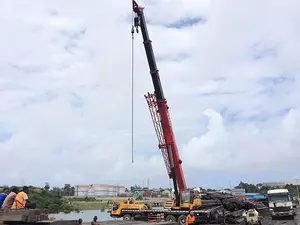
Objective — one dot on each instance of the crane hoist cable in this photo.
(132, 90)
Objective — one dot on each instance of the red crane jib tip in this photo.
(136, 7)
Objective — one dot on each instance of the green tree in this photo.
(67, 190)
(135, 187)
(292, 189)
(47, 186)
(249, 188)
(50, 200)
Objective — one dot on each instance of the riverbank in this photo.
(91, 205)
(101, 203)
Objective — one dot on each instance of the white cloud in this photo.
(245, 147)
(65, 90)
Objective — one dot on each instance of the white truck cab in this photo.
(280, 203)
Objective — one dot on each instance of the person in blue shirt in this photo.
(3, 195)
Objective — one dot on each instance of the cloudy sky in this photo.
(230, 72)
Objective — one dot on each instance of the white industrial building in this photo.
(98, 190)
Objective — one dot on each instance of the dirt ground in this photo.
(283, 221)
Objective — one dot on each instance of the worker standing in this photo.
(190, 219)
(95, 222)
(79, 222)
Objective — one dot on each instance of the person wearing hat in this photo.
(190, 219)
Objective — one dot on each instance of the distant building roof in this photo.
(274, 184)
(97, 185)
(280, 183)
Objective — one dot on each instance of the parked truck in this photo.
(280, 203)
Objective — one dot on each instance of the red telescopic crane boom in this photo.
(159, 110)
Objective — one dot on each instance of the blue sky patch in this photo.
(5, 136)
(260, 51)
(46, 97)
(262, 116)
(181, 56)
(76, 101)
(277, 80)
(186, 22)
(276, 85)
(28, 68)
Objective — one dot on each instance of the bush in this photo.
(50, 200)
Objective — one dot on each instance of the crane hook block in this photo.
(136, 23)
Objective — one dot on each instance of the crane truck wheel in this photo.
(126, 217)
(171, 218)
(138, 217)
(182, 219)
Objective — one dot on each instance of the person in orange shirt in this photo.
(190, 219)
(21, 199)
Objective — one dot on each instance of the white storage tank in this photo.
(98, 190)
(101, 190)
(91, 192)
(121, 190)
(81, 190)
(112, 190)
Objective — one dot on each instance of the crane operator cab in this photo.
(189, 199)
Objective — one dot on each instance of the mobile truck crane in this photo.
(185, 200)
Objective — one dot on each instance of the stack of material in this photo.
(224, 208)
(230, 203)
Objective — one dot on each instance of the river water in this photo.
(85, 215)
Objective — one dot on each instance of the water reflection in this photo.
(85, 215)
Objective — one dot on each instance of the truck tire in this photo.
(127, 217)
(171, 218)
(137, 217)
(182, 219)
(292, 217)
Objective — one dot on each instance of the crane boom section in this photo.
(159, 109)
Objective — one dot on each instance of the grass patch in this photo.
(91, 205)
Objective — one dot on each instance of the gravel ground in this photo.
(268, 221)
